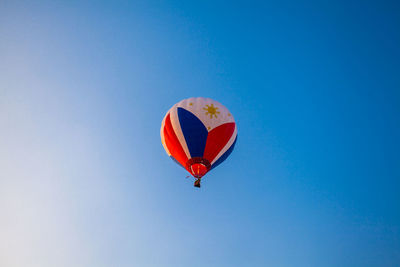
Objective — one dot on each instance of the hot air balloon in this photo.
(198, 134)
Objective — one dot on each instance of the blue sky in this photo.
(314, 178)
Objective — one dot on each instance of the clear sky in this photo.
(314, 179)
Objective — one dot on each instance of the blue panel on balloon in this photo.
(224, 156)
(194, 131)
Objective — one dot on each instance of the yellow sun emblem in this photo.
(211, 110)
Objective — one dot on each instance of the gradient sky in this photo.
(314, 179)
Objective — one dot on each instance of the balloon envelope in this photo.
(198, 134)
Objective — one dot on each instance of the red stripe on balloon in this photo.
(217, 139)
(172, 142)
